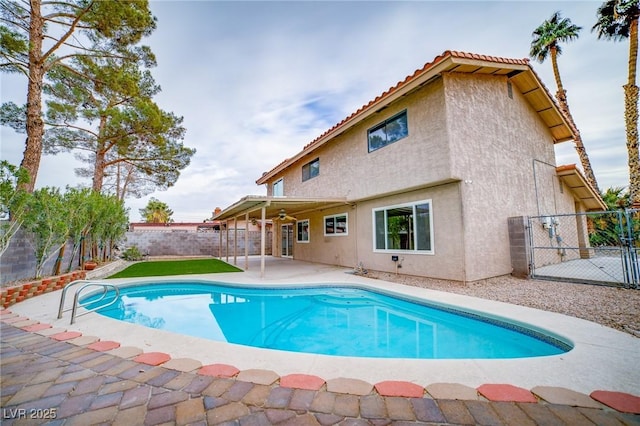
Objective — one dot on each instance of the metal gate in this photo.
(593, 247)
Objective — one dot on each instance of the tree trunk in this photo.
(631, 118)
(34, 123)
(561, 96)
(98, 168)
(57, 266)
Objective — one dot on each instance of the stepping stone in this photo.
(349, 386)
(84, 340)
(152, 358)
(50, 331)
(67, 335)
(452, 391)
(399, 388)
(184, 365)
(258, 377)
(126, 352)
(506, 393)
(623, 402)
(563, 396)
(104, 345)
(219, 370)
(36, 327)
(302, 381)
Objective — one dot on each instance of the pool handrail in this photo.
(87, 284)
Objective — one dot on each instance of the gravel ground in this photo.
(613, 307)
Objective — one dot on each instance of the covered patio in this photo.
(262, 209)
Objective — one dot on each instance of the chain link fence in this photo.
(593, 247)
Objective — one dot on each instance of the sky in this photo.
(256, 81)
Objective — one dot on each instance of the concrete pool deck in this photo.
(602, 358)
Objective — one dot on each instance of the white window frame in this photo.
(273, 188)
(298, 223)
(334, 233)
(413, 204)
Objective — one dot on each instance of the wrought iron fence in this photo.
(592, 247)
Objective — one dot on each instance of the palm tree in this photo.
(156, 212)
(618, 20)
(546, 39)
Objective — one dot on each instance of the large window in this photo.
(336, 225)
(278, 188)
(389, 131)
(405, 227)
(302, 228)
(311, 169)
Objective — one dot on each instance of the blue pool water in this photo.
(343, 321)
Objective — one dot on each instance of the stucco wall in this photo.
(334, 249)
(475, 148)
(505, 157)
(347, 169)
(447, 260)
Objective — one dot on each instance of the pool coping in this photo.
(602, 358)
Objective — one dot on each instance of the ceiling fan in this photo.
(283, 216)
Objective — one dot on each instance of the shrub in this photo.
(132, 253)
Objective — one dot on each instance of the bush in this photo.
(132, 253)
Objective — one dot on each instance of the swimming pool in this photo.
(329, 320)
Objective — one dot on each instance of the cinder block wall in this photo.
(193, 243)
(18, 262)
(520, 246)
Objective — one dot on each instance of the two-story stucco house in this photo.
(426, 175)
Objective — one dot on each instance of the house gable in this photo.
(518, 72)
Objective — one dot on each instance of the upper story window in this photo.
(389, 131)
(311, 169)
(404, 227)
(278, 188)
(336, 224)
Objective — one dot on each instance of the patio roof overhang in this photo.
(573, 179)
(265, 208)
(252, 205)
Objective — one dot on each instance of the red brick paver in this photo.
(506, 393)
(152, 358)
(620, 401)
(399, 388)
(218, 370)
(36, 327)
(104, 345)
(67, 335)
(302, 381)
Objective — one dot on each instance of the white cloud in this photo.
(256, 81)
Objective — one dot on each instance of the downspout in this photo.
(464, 232)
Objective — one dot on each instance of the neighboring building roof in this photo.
(571, 176)
(518, 70)
(173, 226)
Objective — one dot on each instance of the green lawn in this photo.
(175, 267)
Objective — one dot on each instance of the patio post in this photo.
(262, 237)
(235, 240)
(246, 241)
(227, 242)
